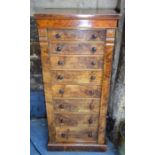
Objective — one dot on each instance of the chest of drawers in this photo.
(76, 52)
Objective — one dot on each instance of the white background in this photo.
(15, 77)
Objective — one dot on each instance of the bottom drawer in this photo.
(74, 135)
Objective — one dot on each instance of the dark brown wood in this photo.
(70, 24)
(47, 13)
(77, 35)
(76, 62)
(77, 48)
(76, 52)
(77, 147)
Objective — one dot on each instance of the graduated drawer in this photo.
(77, 48)
(76, 135)
(76, 77)
(76, 120)
(77, 35)
(76, 91)
(76, 62)
(76, 105)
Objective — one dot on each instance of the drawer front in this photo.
(76, 105)
(74, 135)
(76, 120)
(76, 91)
(76, 62)
(77, 48)
(76, 77)
(77, 35)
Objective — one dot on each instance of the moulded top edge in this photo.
(45, 13)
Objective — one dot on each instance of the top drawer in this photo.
(77, 35)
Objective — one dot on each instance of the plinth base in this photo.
(77, 147)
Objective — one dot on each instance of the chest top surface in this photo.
(44, 13)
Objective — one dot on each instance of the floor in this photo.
(39, 138)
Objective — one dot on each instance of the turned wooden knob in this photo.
(57, 36)
(92, 77)
(61, 106)
(93, 49)
(61, 91)
(58, 49)
(60, 77)
(63, 135)
(91, 92)
(90, 134)
(60, 62)
(93, 63)
(91, 106)
(61, 120)
(94, 36)
(90, 121)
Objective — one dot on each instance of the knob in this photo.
(63, 135)
(92, 77)
(61, 106)
(60, 62)
(90, 121)
(94, 36)
(93, 63)
(90, 134)
(58, 49)
(57, 36)
(61, 91)
(91, 92)
(93, 49)
(91, 106)
(60, 77)
(61, 120)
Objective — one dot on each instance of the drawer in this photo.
(74, 135)
(76, 105)
(76, 120)
(76, 91)
(76, 77)
(77, 48)
(76, 62)
(77, 35)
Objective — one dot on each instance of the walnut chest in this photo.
(76, 52)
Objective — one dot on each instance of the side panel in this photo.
(105, 85)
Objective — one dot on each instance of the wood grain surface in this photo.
(76, 105)
(76, 59)
(77, 91)
(76, 35)
(76, 77)
(62, 24)
(76, 62)
(76, 135)
(76, 48)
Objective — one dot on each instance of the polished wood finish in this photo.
(77, 35)
(77, 23)
(47, 13)
(76, 62)
(76, 52)
(77, 48)
(76, 77)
